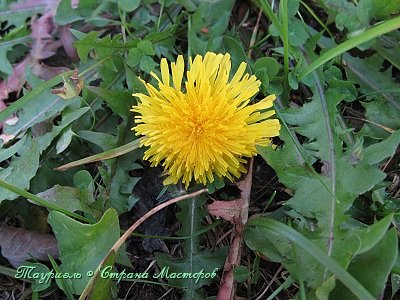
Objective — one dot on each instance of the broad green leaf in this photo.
(235, 49)
(134, 57)
(5, 66)
(147, 64)
(101, 287)
(104, 140)
(385, 8)
(372, 268)
(43, 106)
(82, 246)
(241, 274)
(64, 140)
(296, 32)
(267, 64)
(253, 239)
(6, 153)
(128, 5)
(374, 234)
(66, 197)
(85, 10)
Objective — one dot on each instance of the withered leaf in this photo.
(18, 245)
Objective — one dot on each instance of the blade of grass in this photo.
(267, 9)
(41, 201)
(103, 156)
(281, 229)
(24, 100)
(285, 40)
(364, 37)
(285, 285)
(314, 15)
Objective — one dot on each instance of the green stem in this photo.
(121, 150)
(285, 40)
(23, 101)
(364, 37)
(41, 201)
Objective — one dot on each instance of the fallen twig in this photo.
(236, 212)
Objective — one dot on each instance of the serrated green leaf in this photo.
(312, 198)
(380, 112)
(20, 172)
(146, 47)
(134, 57)
(366, 72)
(147, 64)
(379, 151)
(5, 66)
(214, 16)
(119, 101)
(195, 259)
(104, 47)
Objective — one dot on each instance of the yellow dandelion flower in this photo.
(207, 127)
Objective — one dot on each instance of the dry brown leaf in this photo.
(18, 245)
(227, 210)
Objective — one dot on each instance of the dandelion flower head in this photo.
(205, 127)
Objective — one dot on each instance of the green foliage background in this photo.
(322, 59)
